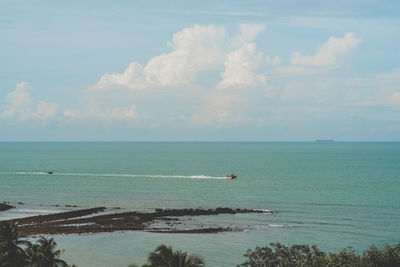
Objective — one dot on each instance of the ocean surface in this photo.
(329, 194)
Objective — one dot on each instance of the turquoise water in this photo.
(331, 195)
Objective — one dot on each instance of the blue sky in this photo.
(199, 70)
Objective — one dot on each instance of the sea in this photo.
(332, 195)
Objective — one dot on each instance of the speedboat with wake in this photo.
(232, 176)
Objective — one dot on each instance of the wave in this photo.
(122, 175)
(265, 211)
(21, 210)
(269, 226)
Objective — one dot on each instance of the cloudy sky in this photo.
(199, 70)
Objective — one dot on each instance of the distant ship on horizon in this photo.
(324, 141)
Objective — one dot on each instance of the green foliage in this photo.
(386, 257)
(11, 254)
(164, 256)
(18, 253)
(345, 258)
(44, 253)
(279, 255)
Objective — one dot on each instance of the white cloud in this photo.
(69, 113)
(21, 105)
(239, 67)
(18, 100)
(202, 50)
(220, 106)
(194, 49)
(45, 110)
(124, 113)
(247, 33)
(327, 53)
(132, 78)
(395, 99)
(94, 110)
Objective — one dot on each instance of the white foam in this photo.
(19, 210)
(264, 211)
(34, 173)
(277, 225)
(78, 224)
(267, 226)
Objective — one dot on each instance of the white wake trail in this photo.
(121, 175)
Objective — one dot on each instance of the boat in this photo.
(324, 141)
(232, 176)
(50, 172)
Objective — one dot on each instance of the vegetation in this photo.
(278, 255)
(15, 252)
(164, 256)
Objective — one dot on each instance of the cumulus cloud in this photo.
(132, 78)
(45, 110)
(21, 106)
(327, 53)
(194, 49)
(240, 66)
(18, 101)
(247, 33)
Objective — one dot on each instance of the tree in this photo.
(280, 255)
(387, 257)
(11, 254)
(33, 254)
(44, 254)
(302, 255)
(164, 256)
(41, 254)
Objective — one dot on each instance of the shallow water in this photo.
(332, 195)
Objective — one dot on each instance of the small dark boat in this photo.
(232, 176)
(50, 172)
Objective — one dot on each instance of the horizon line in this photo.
(200, 141)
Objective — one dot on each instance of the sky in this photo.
(200, 70)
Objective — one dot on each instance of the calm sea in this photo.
(329, 194)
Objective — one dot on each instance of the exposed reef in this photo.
(4, 206)
(88, 221)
